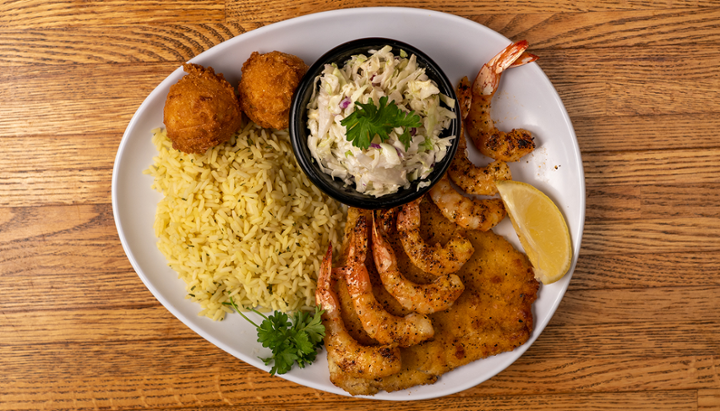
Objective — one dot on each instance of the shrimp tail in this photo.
(488, 77)
(323, 293)
(524, 58)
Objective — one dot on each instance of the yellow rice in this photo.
(243, 220)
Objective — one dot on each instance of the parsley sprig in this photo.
(369, 120)
(290, 342)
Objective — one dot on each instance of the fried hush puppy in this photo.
(201, 110)
(267, 86)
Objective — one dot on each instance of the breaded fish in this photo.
(493, 314)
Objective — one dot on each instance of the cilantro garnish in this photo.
(369, 120)
(290, 342)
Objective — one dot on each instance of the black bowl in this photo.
(336, 188)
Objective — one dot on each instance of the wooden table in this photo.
(637, 329)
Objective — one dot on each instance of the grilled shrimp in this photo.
(421, 298)
(377, 322)
(466, 212)
(436, 260)
(351, 357)
(469, 177)
(486, 137)
(386, 219)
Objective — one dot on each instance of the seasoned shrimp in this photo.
(466, 212)
(346, 353)
(469, 177)
(437, 260)
(486, 137)
(421, 298)
(386, 219)
(524, 58)
(377, 322)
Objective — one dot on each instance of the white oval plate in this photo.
(526, 99)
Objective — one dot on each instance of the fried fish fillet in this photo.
(493, 315)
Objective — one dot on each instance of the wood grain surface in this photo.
(638, 328)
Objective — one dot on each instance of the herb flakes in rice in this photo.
(243, 220)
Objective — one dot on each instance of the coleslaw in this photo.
(386, 165)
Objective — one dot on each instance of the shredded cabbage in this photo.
(386, 166)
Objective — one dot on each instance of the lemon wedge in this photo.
(541, 228)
